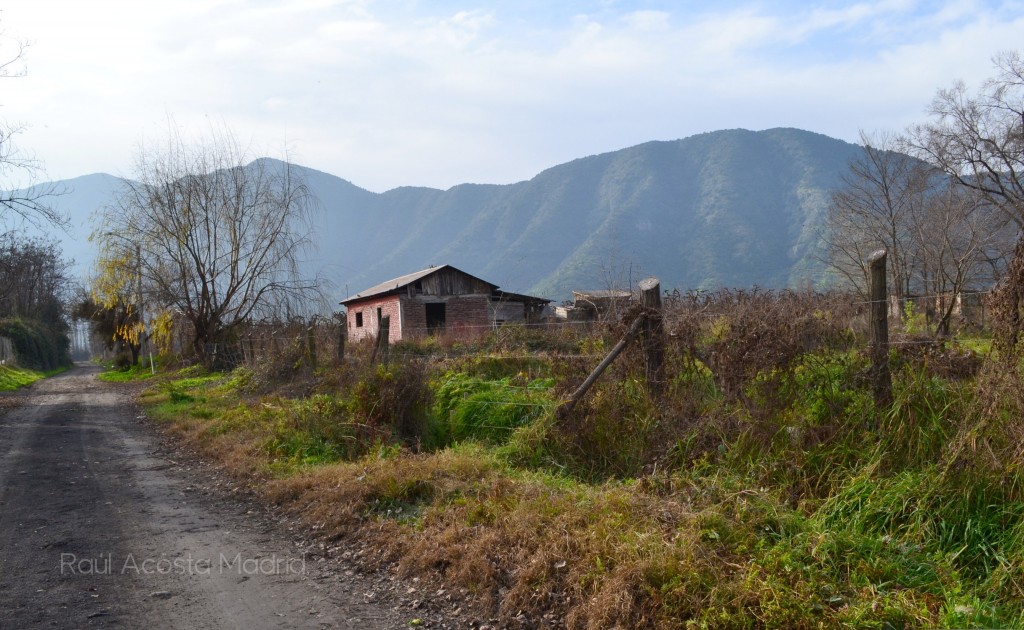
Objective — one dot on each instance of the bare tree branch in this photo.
(220, 238)
(979, 139)
(19, 197)
(941, 237)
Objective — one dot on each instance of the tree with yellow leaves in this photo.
(218, 237)
(114, 299)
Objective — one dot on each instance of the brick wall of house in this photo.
(467, 314)
(414, 318)
(389, 306)
(503, 311)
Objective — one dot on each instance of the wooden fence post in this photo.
(311, 345)
(342, 334)
(383, 346)
(881, 377)
(653, 335)
(566, 408)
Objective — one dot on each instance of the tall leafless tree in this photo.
(942, 238)
(959, 242)
(979, 139)
(219, 239)
(34, 282)
(874, 207)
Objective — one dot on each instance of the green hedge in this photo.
(36, 345)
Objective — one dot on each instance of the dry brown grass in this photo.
(592, 556)
(739, 335)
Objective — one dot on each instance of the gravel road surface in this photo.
(103, 525)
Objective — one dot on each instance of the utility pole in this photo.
(143, 344)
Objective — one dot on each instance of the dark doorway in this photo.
(435, 317)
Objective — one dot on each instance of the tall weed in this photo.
(471, 408)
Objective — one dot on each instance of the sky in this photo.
(393, 93)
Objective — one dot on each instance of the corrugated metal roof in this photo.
(402, 281)
(393, 284)
(396, 284)
(519, 297)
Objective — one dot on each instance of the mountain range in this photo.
(732, 208)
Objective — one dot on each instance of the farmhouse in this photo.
(435, 300)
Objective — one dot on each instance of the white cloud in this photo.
(391, 93)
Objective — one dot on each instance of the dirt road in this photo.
(101, 526)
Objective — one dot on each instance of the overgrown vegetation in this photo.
(37, 345)
(34, 286)
(126, 372)
(12, 378)
(764, 489)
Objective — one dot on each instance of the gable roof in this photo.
(396, 284)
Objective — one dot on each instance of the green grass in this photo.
(490, 410)
(12, 378)
(979, 345)
(133, 373)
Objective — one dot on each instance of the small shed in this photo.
(435, 300)
(589, 306)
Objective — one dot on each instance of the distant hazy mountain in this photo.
(730, 208)
(77, 199)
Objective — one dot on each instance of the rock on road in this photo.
(99, 527)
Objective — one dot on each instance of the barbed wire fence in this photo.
(321, 342)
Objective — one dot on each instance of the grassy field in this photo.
(13, 377)
(763, 489)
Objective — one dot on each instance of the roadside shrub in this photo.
(395, 396)
(987, 443)
(284, 369)
(742, 336)
(540, 338)
(123, 361)
(611, 433)
(37, 345)
(318, 430)
(831, 387)
(936, 357)
(471, 408)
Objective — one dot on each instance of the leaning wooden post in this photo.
(566, 408)
(653, 335)
(881, 377)
(383, 345)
